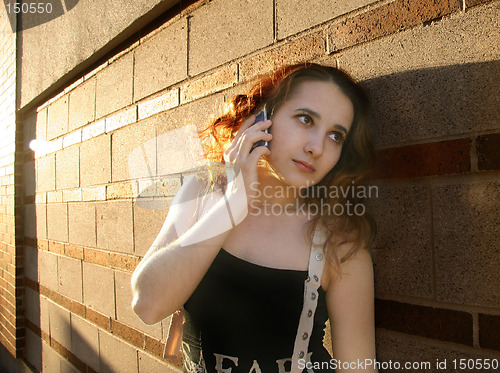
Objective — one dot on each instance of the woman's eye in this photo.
(305, 119)
(338, 137)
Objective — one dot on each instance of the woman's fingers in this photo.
(258, 152)
(250, 138)
(243, 142)
(247, 123)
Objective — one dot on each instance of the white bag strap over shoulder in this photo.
(311, 286)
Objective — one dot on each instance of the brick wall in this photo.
(430, 68)
(11, 313)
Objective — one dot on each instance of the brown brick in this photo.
(119, 190)
(51, 356)
(42, 244)
(443, 324)
(123, 262)
(297, 50)
(98, 318)
(471, 3)
(33, 285)
(45, 336)
(293, 16)
(73, 251)
(127, 333)
(488, 152)
(33, 327)
(56, 247)
(96, 256)
(74, 307)
(57, 298)
(385, 20)
(211, 83)
(62, 364)
(73, 365)
(489, 325)
(437, 158)
(154, 346)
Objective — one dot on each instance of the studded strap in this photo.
(311, 285)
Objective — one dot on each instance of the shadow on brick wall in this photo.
(435, 102)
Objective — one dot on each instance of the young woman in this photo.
(273, 243)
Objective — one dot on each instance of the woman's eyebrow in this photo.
(342, 128)
(310, 112)
(315, 114)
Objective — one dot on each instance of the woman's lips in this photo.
(304, 166)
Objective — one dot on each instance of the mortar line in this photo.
(275, 23)
(188, 42)
(432, 242)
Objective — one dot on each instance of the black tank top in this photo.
(242, 315)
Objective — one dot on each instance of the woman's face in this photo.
(308, 132)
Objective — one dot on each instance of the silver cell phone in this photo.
(262, 116)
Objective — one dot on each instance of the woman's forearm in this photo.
(171, 271)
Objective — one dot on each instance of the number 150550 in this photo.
(29, 8)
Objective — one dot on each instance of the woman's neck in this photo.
(272, 196)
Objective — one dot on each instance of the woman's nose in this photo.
(315, 145)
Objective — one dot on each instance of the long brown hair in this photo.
(356, 159)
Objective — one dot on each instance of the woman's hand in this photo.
(241, 155)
